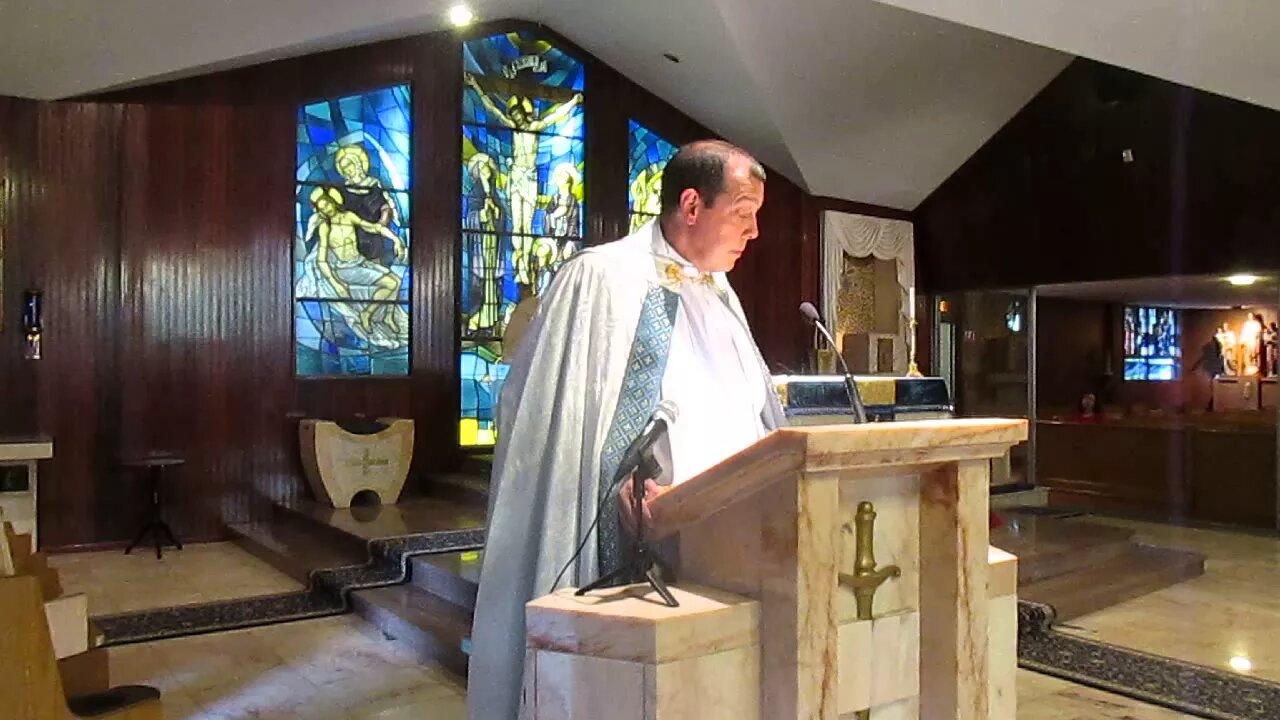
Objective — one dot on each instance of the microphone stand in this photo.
(850, 385)
(642, 560)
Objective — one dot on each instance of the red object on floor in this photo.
(995, 520)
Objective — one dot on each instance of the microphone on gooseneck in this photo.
(661, 420)
(851, 386)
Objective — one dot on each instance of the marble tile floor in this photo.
(340, 668)
(1041, 697)
(254, 674)
(198, 573)
(335, 668)
(1230, 612)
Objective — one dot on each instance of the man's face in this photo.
(718, 235)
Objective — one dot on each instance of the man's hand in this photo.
(626, 502)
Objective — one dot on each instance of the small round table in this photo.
(154, 465)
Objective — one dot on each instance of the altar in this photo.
(18, 481)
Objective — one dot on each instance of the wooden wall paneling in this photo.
(437, 259)
(18, 121)
(72, 260)
(1050, 198)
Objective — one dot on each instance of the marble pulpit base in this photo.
(623, 655)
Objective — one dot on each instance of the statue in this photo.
(1271, 350)
(1250, 343)
(1227, 341)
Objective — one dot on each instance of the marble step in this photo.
(1143, 569)
(454, 577)
(435, 629)
(293, 546)
(1048, 547)
(471, 486)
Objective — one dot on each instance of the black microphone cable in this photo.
(668, 414)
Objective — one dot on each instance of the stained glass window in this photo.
(1152, 344)
(351, 235)
(522, 198)
(649, 154)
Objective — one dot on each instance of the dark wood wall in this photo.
(159, 221)
(18, 122)
(1050, 197)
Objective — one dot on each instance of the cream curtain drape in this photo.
(861, 236)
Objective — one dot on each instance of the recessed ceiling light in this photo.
(1242, 280)
(461, 15)
(1240, 663)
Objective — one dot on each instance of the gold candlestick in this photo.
(912, 369)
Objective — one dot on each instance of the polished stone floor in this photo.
(1229, 618)
(340, 668)
(1041, 697)
(330, 669)
(198, 573)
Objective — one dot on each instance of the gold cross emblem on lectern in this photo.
(866, 577)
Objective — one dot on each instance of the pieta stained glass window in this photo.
(351, 239)
(522, 193)
(649, 156)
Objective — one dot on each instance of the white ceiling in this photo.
(849, 98)
(1223, 46)
(867, 100)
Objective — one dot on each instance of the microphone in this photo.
(640, 448)
(850, 385)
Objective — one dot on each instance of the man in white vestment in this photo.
(622, 327)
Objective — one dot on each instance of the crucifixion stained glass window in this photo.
(649, 153)
(522, 197)
(351, 277)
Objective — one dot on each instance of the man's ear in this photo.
(690, 205)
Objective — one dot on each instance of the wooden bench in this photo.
(31, 686)
(79, 667)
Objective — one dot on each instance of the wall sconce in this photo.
(32, 312)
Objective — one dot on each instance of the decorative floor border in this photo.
(1168, 682)
(327, 593)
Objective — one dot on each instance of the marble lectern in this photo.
(866, 549)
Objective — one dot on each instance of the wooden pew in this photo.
(83, 665)
(30, 683)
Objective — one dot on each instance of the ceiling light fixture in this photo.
(461, 16)
(1240, 663)
(1242, 280)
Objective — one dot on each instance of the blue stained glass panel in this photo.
(558, 116)
(1152, 343)
(648, 156)
(542, 199)
(353, 167)
(377, 252)
(522, 58)
(377, 128)
(522, 192)
(334, 338)
(482, 376)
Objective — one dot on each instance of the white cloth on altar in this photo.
(556, 409)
